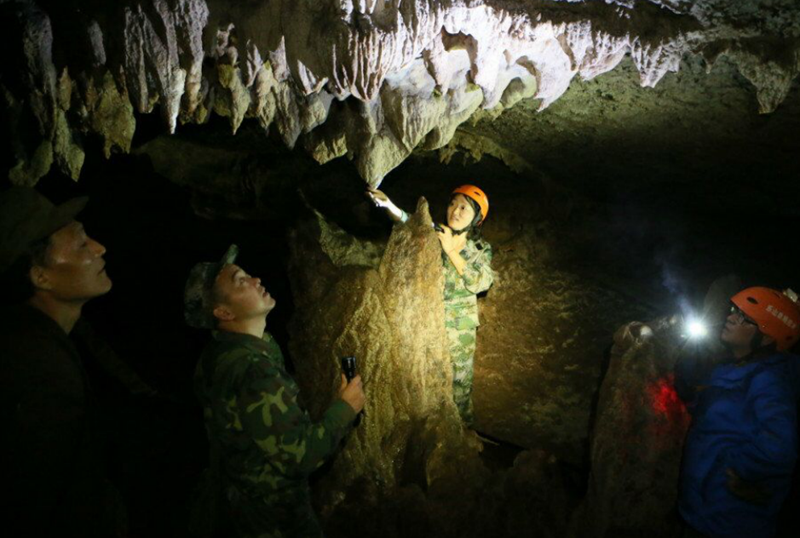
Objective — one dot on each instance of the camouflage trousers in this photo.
(289, 517)
(461, 339)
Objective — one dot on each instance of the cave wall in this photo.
(541, 346)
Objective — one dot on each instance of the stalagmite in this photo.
(638, 435)
(386, 310)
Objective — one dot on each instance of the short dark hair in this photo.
(15, 283)
(216, 299)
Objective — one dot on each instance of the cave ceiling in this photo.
(535, 84)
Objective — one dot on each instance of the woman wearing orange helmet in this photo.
(466, 260)
(741, 448)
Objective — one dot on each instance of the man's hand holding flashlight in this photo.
(353, 393)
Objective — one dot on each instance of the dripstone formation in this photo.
(370, 80)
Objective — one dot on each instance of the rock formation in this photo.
(640, 423)
(409, 468)
(638, 436)
(387, 310)
(373, 80)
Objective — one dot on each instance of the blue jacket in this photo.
(744, 418)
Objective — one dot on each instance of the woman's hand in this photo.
(451, 244)
(381, 200)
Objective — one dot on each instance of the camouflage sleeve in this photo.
(478, 275)
(270, 414)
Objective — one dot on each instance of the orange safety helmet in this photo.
(473, 192)
(777, 314)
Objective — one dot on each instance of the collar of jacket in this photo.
(38, 331)
(731, 374)
(247, 340)
(25, 320)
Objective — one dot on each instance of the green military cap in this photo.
(27, 217)
(198, 302)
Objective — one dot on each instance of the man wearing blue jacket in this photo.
(741, 449)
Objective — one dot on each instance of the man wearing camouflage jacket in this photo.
(264, 443)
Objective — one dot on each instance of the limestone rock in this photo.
(391, 317)
(109, 113)
(771, 67)
(389, 77)
(638, 434)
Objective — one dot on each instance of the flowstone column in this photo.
(387, 310)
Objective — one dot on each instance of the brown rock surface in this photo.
(391, 317)
(638, 436)
(540, 348)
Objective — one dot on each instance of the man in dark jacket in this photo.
(53, 476)
(741, 448)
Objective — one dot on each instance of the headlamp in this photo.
(695, 329)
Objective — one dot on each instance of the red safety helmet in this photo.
(473, 192)
(777, 314)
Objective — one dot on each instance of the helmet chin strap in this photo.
(462, 230)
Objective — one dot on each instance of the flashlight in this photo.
(349, 367)
(695, 329)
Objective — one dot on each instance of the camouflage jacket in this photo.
(460, 291)
(267, 444)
